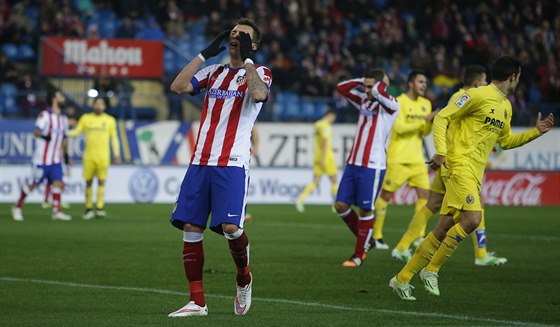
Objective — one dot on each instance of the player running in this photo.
(50, 132)
(473, 77)
(323, 163)
(405, 160)
(465, 133)
(365, 166)
(101, 130)
(217, 179)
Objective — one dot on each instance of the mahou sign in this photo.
(508, 188)
(119, 58)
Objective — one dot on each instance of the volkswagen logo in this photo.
(143, 186)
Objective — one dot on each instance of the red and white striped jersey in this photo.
(55, 126)
(228, 115)
(374, 124)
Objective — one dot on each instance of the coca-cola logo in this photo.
(521, 189)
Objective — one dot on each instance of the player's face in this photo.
(99, 106)
(419, 85)
(368, 84)
(234, 41)
(514, 80)
(60, 99)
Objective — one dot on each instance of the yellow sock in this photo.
(421, 203)
(454, 236)
(479, 239)
(380, 212)
(421, 257)
(306, 191)
(100, 193)
(334, 190)
(89, 197)
(417, 224)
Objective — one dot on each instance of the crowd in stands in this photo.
(311, 45)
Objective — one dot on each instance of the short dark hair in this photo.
(51, 94)
(413, 73)
(472, 73)
(330, 111)
(253, 24)
(376, 73)
(503, 67)
(97, 99)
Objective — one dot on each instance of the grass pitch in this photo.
(126, 270)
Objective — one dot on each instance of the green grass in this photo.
(126, 270)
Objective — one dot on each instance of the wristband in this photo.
(201, 57)
(249, 61)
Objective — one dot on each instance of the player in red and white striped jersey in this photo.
(366, 163)
(217, 179)
(50, 146)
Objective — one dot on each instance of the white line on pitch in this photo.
(283, 301)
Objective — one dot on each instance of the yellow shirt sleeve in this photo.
(463, 106)
(79, 128)
(508, 140)
(114, 139)
(401, 126)
(427, 129)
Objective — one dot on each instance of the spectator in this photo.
(28, 99)
(127, 30)
(8, 72)
(106, 87)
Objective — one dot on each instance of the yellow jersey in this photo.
(466, 130)
(99, 130)
(405, 146)
(323, 132)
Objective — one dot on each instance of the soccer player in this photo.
(101, 130)
(473, 77)
(217, 179)
(323, 163)
(405, 160)
(465, 133)
(365, 166)
(50, 132)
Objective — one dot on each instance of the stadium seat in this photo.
(108, 28)
(10, 50)
(306, 110)
(25, 52)
(8, 104)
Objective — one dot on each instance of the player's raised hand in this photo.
(245, 46)
(214, 48)
(546, 124)
(429, 118)
(117, 160)
(437, 161)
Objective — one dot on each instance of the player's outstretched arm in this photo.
(78, 130)
(508, 140)
(182, 83)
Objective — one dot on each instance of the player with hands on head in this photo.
(217, 179)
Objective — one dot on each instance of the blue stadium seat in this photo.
(25, 52)
(108, 28)
(320, 109)
(8, 104)
(306, 110)
(10, 50)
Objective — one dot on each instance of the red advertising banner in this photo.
(119, 58)
(508, 188)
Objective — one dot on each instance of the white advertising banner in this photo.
(161, 184)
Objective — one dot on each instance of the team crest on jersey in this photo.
(424, 109)
(470, 199)
(505, 114)
(462, 100)
(266, 80)
(241, 80)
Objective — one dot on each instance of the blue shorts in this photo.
(220, 191)
(49, 172)
(360, 186)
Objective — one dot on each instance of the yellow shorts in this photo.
(437, 184)
(95, 168)
(397, 174)
(329, 169)
(462, 193)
